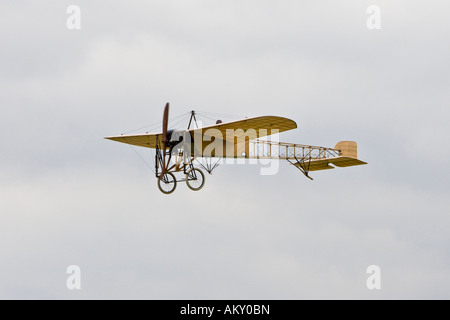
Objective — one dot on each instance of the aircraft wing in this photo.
(231, 139)
(254, 128)
(243, 130)
(147, 140)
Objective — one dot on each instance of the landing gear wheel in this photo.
(195, 179)
(167, 183)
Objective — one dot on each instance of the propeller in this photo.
(165, 139)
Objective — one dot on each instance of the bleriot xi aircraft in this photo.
(177, 150)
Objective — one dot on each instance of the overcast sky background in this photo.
(69, 197)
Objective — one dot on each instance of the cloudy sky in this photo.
(69, 197)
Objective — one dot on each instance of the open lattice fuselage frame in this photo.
(262, 149)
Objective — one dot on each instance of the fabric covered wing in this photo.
(235, 132)
(262, 126)
(231, 139)
(141, 140)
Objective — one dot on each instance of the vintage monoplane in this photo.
(178, 150)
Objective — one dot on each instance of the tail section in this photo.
(348, 154)
(347, 149)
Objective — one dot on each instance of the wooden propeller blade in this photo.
(165, 123)
(165, 141)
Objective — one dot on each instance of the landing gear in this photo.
(167, 183)
(174, 156)
(195, 179)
